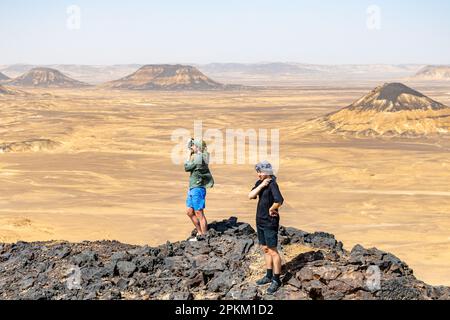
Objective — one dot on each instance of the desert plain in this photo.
(110, 174)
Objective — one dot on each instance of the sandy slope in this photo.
(112, 176)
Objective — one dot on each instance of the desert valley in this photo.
(365, 158)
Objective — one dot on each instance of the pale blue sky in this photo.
(203, 31)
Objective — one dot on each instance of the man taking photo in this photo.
(200, 178)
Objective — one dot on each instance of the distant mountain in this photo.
(165, 77)
(267, 74)
(3, 77)
(46, 78)
(392, 109)
(274, 68)
(95, 74)
(437, 73)
(15, 70)
(291, 73)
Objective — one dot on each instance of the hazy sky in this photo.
(202, 31)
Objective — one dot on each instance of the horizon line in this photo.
(231, 62)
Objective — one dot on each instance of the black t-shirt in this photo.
(266, 198)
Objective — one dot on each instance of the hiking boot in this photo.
(274, 286)
(201, 238)
(263, 281)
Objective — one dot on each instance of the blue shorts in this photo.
(196, 198)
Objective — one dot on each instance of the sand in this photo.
(112, 176)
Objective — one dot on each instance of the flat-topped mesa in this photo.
(392, 109)
(165, 77)
(46, 78)
(223, 266)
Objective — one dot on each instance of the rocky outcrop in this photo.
(32, 145)
(224, 266)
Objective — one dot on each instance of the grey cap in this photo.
(264, 167)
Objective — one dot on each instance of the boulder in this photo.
(125, 268)
(222, 282)
(321, 240)
(85, 258)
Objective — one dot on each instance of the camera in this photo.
(190, 143)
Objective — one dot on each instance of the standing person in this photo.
(200, 179)
(267, 222)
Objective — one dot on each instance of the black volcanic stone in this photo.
(86, 257)
(125, 268)
(321, 240)
(221, 282)
(220, 267)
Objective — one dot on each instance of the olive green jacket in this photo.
(200, 174)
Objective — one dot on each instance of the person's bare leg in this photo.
(191, 214)
(269, 267)
(203, 223)
(276, 260)
(276, 281)
(267, 257)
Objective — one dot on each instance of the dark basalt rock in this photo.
(86, 257)
(399, 289)
(125, 268)
(222, 282)
(215, 268)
